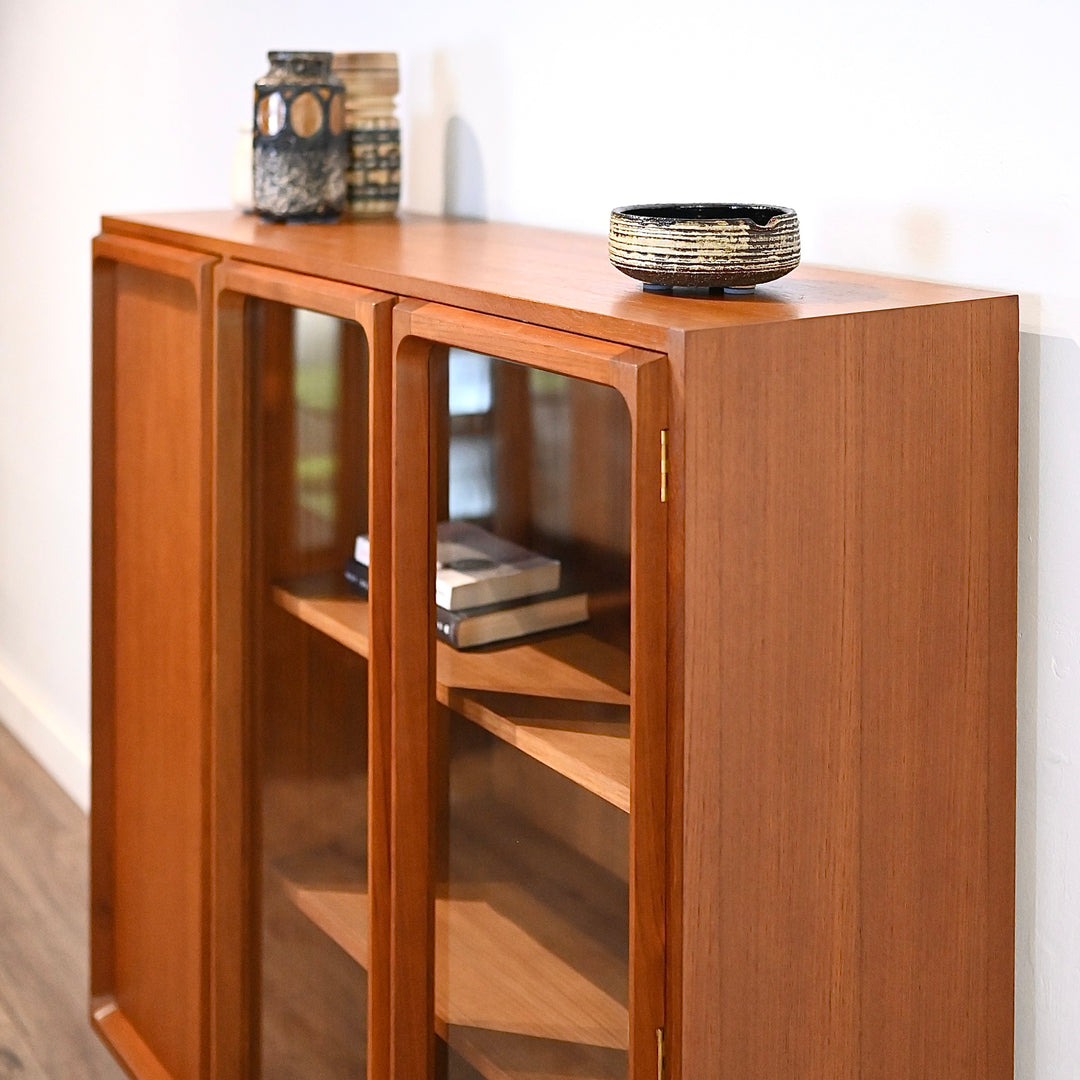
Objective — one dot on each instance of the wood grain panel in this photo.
(491, 970)
(554, 279)
(676, 701)
(931, 738)
(644, 386)
(256, 463)
(376, 318)
(525, 973)
(834, 657)
(103, 619)
(151, 656)
(128, 1044)
(542, 711)
(924, 750)
(846, 873)
(771, 756)
(571, 665)
(641, 379)
(229, 808)
(414, 742)
(161, 665)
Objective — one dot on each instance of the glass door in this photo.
(318, 867)
(529, 553)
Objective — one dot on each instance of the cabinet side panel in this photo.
(160, 666)
(849, 754)
(936, 818)
(771, 752)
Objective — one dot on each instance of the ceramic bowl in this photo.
(715, 245)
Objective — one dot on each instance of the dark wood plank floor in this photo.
(44, 1032)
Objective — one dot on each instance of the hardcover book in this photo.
(356, 576)
(475, 567)
(510, 619)
(469, 627)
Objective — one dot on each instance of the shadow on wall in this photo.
(464, 191)
(438, 129)
(1027, 680)
(1048, 683)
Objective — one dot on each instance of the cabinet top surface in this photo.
(559, 279)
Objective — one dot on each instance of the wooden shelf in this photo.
(341, 912)
(562, 699)
(507, 998)
(317, 602)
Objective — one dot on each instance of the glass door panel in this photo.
(308, 693)
(533, 797)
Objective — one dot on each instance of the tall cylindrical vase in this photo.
(374, 169)
(299, 145)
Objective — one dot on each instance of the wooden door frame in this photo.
(422, 333)
(231, 905)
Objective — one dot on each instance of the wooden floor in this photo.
(44, 1033)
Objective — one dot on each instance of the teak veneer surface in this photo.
(489, 969)
(522, 981)
(149, 700)
(821, 832)
(561, 700)
(852, 870)
(558, 279)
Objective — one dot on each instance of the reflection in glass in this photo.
(309, 738)
(532, 896)
(316, 348)
(469, 398)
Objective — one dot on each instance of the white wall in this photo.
(936, 139)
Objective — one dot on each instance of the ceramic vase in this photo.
(299, 147)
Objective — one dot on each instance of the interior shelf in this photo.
(562, 699)
(508, 999)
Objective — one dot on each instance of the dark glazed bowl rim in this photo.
(759, 215)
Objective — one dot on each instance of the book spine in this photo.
(446, 627)
(356, 577)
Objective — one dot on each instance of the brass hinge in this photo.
(665, 465)
(659, 1054)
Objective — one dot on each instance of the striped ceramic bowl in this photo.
(728, 245)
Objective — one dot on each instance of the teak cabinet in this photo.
(752, 821)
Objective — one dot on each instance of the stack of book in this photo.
(487, 589)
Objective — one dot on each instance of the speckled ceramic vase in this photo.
(299, 146)
(732, 246)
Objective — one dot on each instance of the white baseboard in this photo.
(59, 750)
